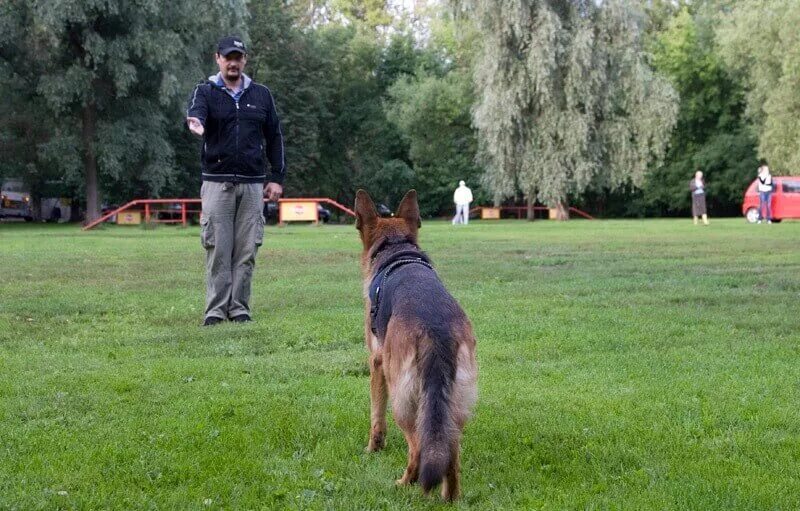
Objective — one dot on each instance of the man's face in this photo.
(231, 66)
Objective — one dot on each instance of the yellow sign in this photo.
(490, 213)
(129, 218)
(298, 212)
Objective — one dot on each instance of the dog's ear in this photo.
(366, 214)
(408, 210)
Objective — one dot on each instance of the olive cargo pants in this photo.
(232, 229)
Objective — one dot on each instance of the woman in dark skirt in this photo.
(698, 189)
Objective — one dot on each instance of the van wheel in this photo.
(752, 215)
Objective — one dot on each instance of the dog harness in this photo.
(377, 287)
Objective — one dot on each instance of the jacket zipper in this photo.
(241, 97)
(238, 156)
(236, 130)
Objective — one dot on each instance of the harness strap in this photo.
(381, 277)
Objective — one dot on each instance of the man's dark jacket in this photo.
(237, 134)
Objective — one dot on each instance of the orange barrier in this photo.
(523, 210)
(182, 215)
(145, 206)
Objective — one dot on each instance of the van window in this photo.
(791, 186)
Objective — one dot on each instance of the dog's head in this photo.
(373, 228)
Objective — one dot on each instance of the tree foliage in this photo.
(112, 72)
(760, 39)
(567, 99)
(368, 13)
(293, 64)
(27, 127)
(433, 114)
(560, 99)
(711, 134)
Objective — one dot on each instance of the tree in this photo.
(391, 182)
(566, 99)
(711, 134)
(292, 63)
(433, 114)
(114, 75)
(760, 39)
(356, 140)
(369, 13)
(431, 108)
(28, 149)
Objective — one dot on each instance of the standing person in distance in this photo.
(239, 123)
(462, 197)
(765, 188)
(698, 189)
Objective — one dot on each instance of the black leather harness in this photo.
(378, 283)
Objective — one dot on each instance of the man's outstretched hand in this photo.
(273, 191)
(195, 126)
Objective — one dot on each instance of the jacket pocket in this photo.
(206, 232)
(210, 153)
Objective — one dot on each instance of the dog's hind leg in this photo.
(405, 397)
(412, 470)
(377, 393)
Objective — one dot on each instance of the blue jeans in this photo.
(765, 198)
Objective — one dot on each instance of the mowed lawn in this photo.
(623, 365)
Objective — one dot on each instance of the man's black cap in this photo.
(231, 44)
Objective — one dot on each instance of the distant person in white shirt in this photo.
(462, 197)
(764, 193)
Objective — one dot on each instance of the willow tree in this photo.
(566, 98)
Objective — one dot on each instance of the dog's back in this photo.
(424, 344)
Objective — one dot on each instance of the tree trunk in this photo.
(530, 199)
(562, 211)
(90, 161)
(33, 180)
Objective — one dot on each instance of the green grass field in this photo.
(623, 365)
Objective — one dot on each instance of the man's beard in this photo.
(233, 74)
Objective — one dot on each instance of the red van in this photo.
(785, 199)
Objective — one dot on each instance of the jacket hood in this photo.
(218, 77)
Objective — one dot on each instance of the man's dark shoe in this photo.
(211, 321)
(241, 318)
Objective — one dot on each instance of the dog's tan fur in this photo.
(395, 363)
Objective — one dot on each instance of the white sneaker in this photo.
(758, 222)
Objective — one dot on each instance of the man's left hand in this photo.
(273, 191)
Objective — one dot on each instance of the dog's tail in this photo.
(436, 426)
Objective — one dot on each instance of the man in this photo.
(238, 121)
(764, 193)
(462, 197)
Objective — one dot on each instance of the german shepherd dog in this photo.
(422, 349)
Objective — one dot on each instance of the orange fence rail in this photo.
(584, 214)
(523, 210)
(181, 216)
